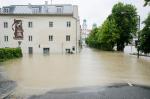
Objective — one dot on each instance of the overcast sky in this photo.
(94, 11)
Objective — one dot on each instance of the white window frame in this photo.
(6, 38)
(35, 10)
(51, 24)
(5, 24)
(68, 37)
(59, 10)
(51, 37)
(68, 23)
(30, 24)
(30, 37)
(6, 10)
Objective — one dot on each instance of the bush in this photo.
(10, 53)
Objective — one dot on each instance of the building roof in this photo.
(58, 9)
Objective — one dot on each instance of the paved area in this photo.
(121, 91)
(6, 86)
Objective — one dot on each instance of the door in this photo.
(30, 50)
(68, 51)
(46, 50)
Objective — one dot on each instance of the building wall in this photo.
(40, 33)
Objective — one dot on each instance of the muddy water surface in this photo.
(39, 73)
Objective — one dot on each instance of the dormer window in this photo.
(59, 10)
(6, 10)
(35, 10)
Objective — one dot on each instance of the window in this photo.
(6, 10)
(46, 50)
(68, 24)
(35, 10)
(59, 10)
(50, 24)
(30, 50)
(30, 38)
(50, 37)
(5, 24)
(30, 24)
(6, 38)
(68, 50)
(67, 37)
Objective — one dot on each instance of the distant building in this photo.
(94, 26)
(40, 28)
(85, 32)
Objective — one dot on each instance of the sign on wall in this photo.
(18, 29)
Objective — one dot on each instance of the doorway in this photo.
(30, 50)
(46, 50)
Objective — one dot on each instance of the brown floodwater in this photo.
(39, 73)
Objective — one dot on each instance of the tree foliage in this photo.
(146, 2)
(103, 37)
(10, 53)
(92, 39)
(145, 37)
(118, 29)
(126, 19)
(107, 34)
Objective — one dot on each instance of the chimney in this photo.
(29, 5)
(46, 3)
(46, 6)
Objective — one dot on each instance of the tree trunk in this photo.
(120, 47)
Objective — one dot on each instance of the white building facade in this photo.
(45, 28)
(84, 32)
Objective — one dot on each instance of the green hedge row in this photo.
(10, 53)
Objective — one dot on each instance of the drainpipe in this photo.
(76, 33)
(76, 36)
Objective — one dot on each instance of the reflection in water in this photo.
(91, 67)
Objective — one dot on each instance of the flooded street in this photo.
(39, 73)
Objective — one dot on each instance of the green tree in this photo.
(92, 39)
(145, 37)
(146, 2)
(104, 37)
(118, 29)
(107, 34)
(126, 22)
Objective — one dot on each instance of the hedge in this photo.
(10, 53)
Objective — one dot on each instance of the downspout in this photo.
(76, 33)
(76, 37)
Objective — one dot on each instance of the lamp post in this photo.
(138, 36)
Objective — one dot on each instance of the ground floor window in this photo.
(30, 50)
(6, 38)
(67, 37)
(68, 51)
(46, 50)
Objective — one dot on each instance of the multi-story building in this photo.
(40, 28)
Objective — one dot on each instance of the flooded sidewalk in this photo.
(7, 87)
(37, 74)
